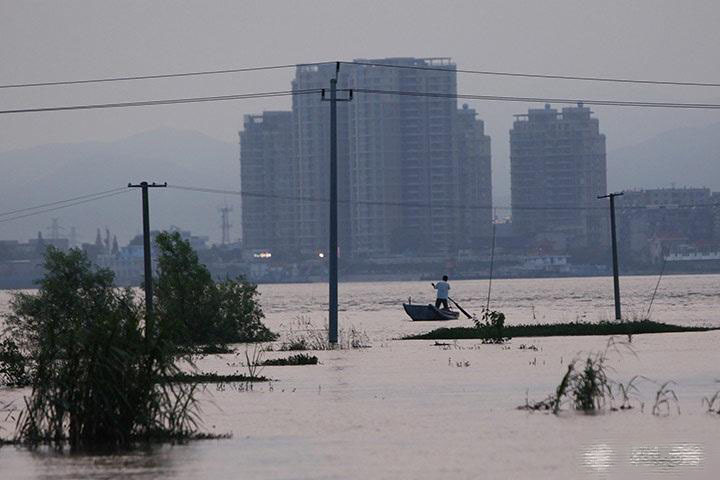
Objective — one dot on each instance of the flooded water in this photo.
(411, 409)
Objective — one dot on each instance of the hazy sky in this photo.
(60, 40)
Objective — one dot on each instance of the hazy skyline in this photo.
(47, 41)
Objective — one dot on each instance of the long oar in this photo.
(456, 304)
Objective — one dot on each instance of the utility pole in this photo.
(333, 247)
(146, 250)
(616, 278)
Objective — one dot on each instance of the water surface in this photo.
(410, 409)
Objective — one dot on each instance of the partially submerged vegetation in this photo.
(91, 370)
(298, 359)
(199, 310)
(303, 334)
(102, 374)
(558, 329)
(587, 387)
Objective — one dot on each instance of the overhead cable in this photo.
(539, 75)
(18, 217)
(245, 96)
(615, 103)
(158, 76)
(225, 71)
(172, 101)
(58, 202)
(426, 204)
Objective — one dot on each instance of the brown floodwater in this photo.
(411, 409)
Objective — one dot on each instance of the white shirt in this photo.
(442, 289)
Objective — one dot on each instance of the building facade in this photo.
(558, 168)
(267, 176)
(311, 160)
(656, 221)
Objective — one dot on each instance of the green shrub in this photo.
(94, 375)
(196, 308)
(492, 323)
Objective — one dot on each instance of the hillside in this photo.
(53, 172)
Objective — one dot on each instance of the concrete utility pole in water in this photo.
(333, 247)
(146, 251)
(616, 278)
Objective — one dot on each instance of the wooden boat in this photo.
(429, 313)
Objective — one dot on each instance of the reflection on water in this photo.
(601, 457)
(668, 456)
(598, 457)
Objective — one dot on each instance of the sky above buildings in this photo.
(50, 41)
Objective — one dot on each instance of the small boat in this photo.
(429, 312)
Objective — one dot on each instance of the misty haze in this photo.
(359, 239)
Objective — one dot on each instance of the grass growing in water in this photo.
(299, 359)
(558, 329)
(304, 335)
(585, 385)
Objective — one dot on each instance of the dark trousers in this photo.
(441, 301)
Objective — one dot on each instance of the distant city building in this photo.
(267, 181)
(405, 174)
(558, 168)
(311, 165)
(413, 171)
(656, 221)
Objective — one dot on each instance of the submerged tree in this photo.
(200, 310)
(93, 375)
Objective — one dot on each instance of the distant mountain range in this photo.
(685, 157)
(54, 172)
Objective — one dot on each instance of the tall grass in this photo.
(303, 334)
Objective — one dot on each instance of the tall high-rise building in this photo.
(557, 170)
(267, 182)
(419, 168)
(311, 148)
(472, 149)
(413, 170)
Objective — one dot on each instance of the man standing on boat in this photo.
(443, 289)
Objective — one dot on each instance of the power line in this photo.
(540, 75)
(158, 76)
(426, 205)
(245, 96)
(173, 101)
(371, 64)
(616, 103)
(81, 197)
(18, 217)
